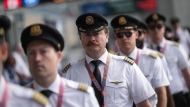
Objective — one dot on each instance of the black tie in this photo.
(176, 36)
(47, 93)
(97, 75)
(158, 48)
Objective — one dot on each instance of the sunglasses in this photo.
(157, 26)
(121, 34)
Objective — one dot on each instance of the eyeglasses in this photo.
(157, 26)
(121, 34)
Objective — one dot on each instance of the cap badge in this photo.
(2, 32)
(59, 45)
(89, 20)
(155, 16)
(35, 30)
(122, 21)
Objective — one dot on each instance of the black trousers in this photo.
(179, 100)
(187, 97)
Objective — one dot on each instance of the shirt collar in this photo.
(161, 44)
(54, 87)
(133, 54)
(103, 58)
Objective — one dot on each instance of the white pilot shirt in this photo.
(152, 69)
(72, 96)
(176, 58)
(19, 96)
(133, 85)
(164, 62)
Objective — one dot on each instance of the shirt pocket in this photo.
(172, 61)
(116, 91)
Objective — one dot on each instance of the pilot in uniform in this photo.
(117, 80)
(12, 95)
(43, 45)
(125, 28)
(176, 56)
(140, 43)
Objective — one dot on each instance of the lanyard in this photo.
(5, 96)
(137, 57)
(163, 49)
(100, 87)
(60, 94)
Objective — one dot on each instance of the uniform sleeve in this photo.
(183, 58)
(139, 86)
(159, 76)
(166, 68)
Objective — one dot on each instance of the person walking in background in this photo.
(180, 34)
(176, 56)
(140, 43)
(21, 66)
(126, 33)
(9, 71)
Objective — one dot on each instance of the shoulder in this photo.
(176, 43)
(173, 43)
(41, 99)
(148, 53)
(123, 59)
(128, 60)
(153, 55)
(161, 55)
(80, 87)
(75, 63)
(28, 94)
(66, 68)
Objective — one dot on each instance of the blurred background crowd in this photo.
(62, 14)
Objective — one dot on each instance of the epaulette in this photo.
(129, 60)
(66, 68)
(176, 43)
(153, 55)
(160, 54)
(83, 87)
(40, 98)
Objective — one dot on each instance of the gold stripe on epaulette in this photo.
(40, 98)
(83, 87)
(129, 60)
(176, 43)
(66, 68)
(153, 55)
(160, 54)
